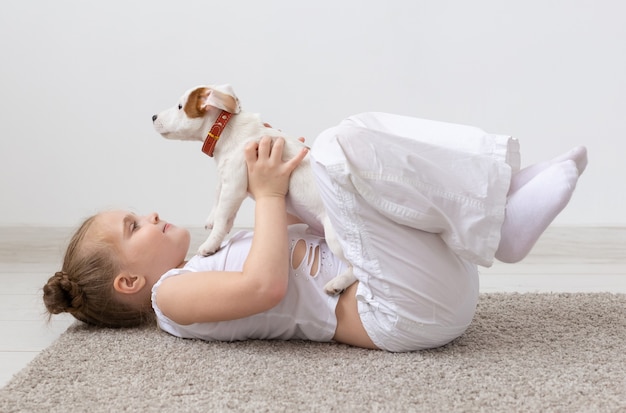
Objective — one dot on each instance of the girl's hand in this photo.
(268, 174)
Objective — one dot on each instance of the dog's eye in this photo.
(180, 106)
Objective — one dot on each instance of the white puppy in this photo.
(212, 114)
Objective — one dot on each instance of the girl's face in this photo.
(148, 246)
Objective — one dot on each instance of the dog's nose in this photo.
(154, 117)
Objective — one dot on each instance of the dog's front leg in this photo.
(338, 284)
(233, 190)
(208, 224)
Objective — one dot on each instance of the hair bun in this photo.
(62, 294)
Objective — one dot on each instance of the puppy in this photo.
(212, 114)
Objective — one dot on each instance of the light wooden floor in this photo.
(565, 260)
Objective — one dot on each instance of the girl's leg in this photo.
(414, 292)
(457, 193)
(531, 207)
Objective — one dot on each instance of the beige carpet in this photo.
(524, 352)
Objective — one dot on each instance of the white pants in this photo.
(416, 205)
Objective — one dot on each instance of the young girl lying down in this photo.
(416, 204)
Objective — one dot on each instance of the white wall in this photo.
(80, 80)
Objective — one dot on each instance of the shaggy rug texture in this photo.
(523, 353)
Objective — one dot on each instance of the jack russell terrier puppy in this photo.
(212, 114)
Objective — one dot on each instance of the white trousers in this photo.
(416, 205)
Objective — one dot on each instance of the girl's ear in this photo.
(126, 283)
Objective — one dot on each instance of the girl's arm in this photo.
(220, 296)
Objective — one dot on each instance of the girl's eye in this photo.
(134, 226)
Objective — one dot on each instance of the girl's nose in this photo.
(153, 218)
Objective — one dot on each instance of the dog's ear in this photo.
(222, 97)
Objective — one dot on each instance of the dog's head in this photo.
(195, 112)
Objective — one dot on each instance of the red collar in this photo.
(215, 132)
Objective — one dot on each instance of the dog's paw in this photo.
(207, 248)
(331, 289)
(338, 284)
(208, 224)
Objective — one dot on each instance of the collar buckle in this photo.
(216, 130)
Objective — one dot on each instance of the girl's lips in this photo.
(166, 227)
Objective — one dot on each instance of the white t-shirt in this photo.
(306, 311)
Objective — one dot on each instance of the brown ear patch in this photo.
(195, 106)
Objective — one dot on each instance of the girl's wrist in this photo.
(270, 208)
(270, 196)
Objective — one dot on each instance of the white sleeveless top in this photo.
(306, 311)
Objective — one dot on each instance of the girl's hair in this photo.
(84, 286)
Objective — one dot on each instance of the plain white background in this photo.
(79, 82)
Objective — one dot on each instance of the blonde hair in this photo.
(84, 286)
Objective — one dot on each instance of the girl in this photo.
(416, 204)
